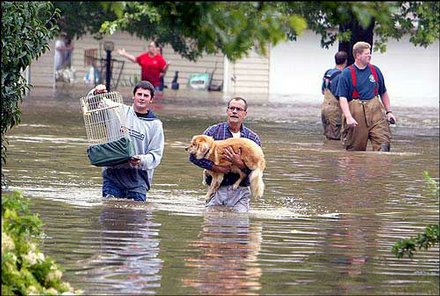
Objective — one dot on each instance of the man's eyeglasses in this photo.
(236, 108)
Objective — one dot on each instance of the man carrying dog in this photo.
(239, 198)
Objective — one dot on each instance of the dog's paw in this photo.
(209, 195)
(208, 198)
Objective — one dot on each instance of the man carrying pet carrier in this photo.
(239, 198)
(133, 178)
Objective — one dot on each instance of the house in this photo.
(291, 71)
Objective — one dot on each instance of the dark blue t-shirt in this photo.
(365, 83)
(330, 80)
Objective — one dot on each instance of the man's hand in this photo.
(122, 51)
(125, 54)
(100, 89)
(351, 122)
(391, 118)
(234, 158)
(221, 169)
(135, 161)
(343, 102)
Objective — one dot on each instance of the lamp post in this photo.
(108, 46)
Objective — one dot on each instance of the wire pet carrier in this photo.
(107, 133)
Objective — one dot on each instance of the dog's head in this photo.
(200, 145)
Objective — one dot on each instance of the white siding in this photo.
(411, 73)
(292, 70)
(42, 69)
(249, 75)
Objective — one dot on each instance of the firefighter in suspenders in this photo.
(331, 114)
(365, 104)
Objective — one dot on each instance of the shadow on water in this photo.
(325, 225)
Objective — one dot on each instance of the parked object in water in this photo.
(93, 76)
(108, 136)
(174, 83)
(203, 81)
(212, 87)
(199, 81)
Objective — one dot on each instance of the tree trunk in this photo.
(358, 33)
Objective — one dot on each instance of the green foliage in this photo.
(424, 240)
(79, 18)
(197, 28)
(27, 28)
(431, 184)
(419, 19)
(233, 28)
(25, 269)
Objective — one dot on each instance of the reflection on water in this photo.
(228, 259)
(127, 258)
(325, 225)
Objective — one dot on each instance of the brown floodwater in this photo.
(325, 225)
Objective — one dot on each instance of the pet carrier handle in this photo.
(83, 107)
(87, 111)
(101, 109)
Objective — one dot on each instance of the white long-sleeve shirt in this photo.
(148, 139)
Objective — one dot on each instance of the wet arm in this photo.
(235, 158)
(387, 104)
(123, 53)
(343, 102)
(164, 70)
(206, 163)
(203, 163)
(386, 101)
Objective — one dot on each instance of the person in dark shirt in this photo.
(366, 116)
(239, 198)
(331, 113)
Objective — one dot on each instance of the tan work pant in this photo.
(331, 116)
(372, 125)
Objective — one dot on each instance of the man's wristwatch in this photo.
(388, 112)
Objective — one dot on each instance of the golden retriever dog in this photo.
(203, 146)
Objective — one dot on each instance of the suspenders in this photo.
(355, 94)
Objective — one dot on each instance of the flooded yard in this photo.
(325, 225)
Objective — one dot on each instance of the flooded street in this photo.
(325, 225)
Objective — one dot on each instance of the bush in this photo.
(25, 269)
(27, 28)
(424, 240)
